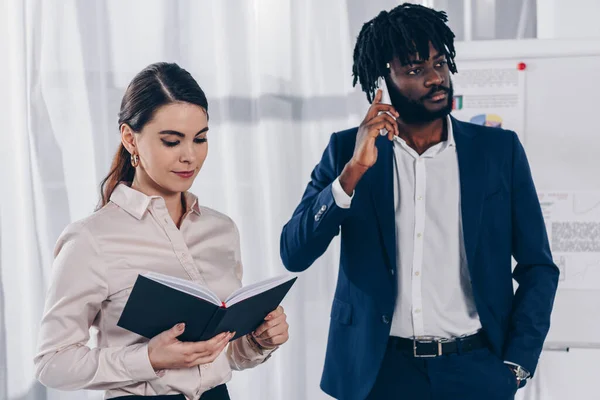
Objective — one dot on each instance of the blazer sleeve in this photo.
(536, 273)
(317, 219)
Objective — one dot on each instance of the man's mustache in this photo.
(436, 90)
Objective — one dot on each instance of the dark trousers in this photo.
(217, 393)
(474, 375)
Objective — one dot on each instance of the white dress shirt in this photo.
(97, 262)
(435, 296)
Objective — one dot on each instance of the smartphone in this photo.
(385, 95)
(385, 99)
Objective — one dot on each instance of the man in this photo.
(430, 215)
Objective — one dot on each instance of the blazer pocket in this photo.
(341, 312)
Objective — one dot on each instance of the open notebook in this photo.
(158, 302)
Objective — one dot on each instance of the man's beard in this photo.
(415, 112)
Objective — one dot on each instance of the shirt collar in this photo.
(136, 203)
(191, 202)
(450, 131)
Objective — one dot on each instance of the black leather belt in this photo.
(423, 347)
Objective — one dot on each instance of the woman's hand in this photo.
(274, 331)
(167, 352)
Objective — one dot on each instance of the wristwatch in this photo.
(520, 372)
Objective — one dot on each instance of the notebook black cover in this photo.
(153, 308)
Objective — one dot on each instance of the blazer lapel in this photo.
(472, 172)
(382, 194)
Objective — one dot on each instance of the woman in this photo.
(148, 221)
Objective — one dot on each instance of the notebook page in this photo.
(185, 286)
(256, 288)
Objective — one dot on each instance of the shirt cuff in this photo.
(257, 348)
(512, 363)
(137, 362)
(342, 200)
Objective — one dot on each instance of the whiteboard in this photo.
(561, 135)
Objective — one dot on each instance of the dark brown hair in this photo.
(157, 85)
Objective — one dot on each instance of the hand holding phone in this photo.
(380, 117)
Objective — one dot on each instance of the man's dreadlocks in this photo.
(405, 31)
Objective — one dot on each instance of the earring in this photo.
(387, 65)
(135, 160)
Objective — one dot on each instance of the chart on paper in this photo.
(490, 93)
(573, 224)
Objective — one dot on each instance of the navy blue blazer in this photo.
(501, 218)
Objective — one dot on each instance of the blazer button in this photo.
(385, 319)
(317, 217)
(392, 272)
(323, 208)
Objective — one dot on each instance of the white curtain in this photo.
(277, 74)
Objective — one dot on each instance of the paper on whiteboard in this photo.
(490, 93)
(573, 224)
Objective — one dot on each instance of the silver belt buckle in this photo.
(427, 340)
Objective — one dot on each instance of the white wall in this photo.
(562, 19)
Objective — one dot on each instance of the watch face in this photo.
(521, 373)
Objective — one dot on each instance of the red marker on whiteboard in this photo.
(521, 66)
